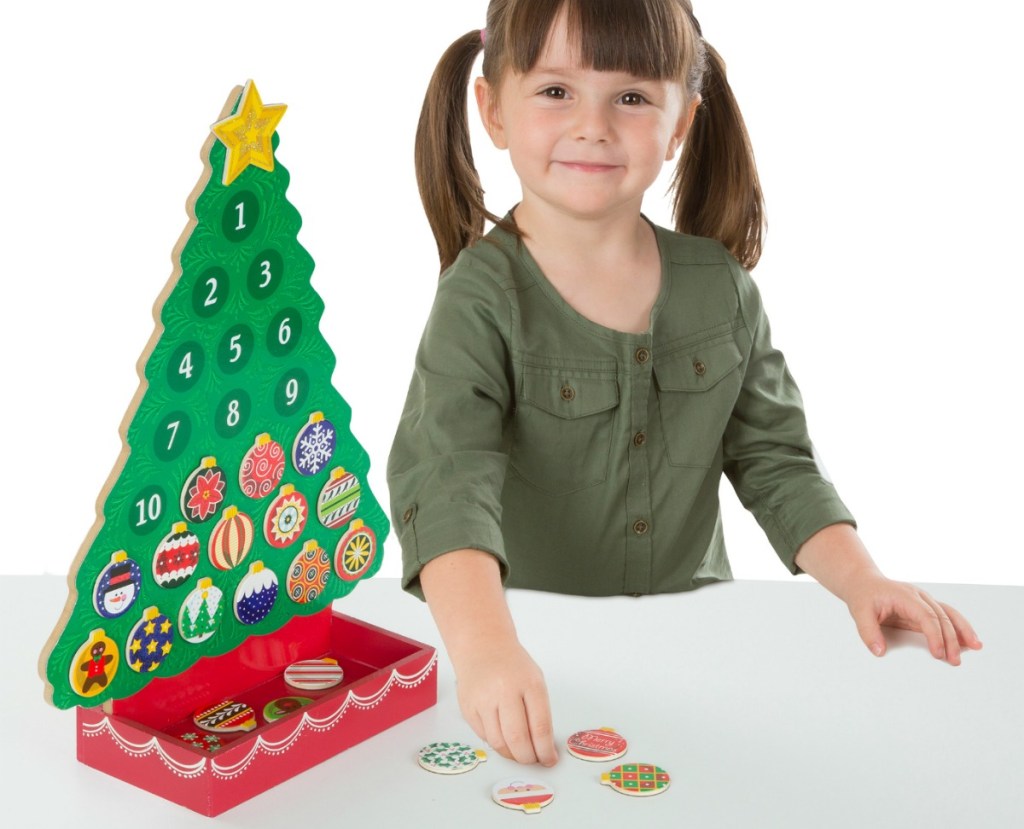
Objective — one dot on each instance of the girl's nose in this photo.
(591, 122)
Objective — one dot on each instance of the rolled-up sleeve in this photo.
(447, 464)
(768, 455)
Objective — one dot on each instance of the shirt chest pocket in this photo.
(563, 428)
(697, 390)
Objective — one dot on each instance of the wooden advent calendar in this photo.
(236, 514)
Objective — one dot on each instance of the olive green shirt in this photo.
(588, 460)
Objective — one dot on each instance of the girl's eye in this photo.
(633, 98)
(556, 92)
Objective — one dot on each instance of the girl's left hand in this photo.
(874, 601)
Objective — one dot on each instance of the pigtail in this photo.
(717, 192)
(448, 181)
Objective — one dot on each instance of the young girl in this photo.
(585, 377)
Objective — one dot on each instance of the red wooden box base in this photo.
(388, 678)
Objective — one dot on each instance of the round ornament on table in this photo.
(226, 716)
(94, 665)
(286, 518)
(308, 575)
(355, 551)
(149, 642)
(231, 540)
(597, 745)
(176, 557)
(637, 779)
(203, 493)
(201, 612)
(450, 758)
(339, 499)
(283, 706)
(528, 795)
(314, 445)
(262, 467)
(117, 586)
(314, 674)
(256, 594)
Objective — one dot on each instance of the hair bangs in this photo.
(645, 38)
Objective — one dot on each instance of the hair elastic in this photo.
(483, 37)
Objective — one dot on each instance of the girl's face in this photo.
(584, 143)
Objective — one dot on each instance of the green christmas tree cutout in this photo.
(240, 499)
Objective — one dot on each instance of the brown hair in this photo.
(716, 191)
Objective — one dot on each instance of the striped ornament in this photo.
(339, 499)
(231, 540)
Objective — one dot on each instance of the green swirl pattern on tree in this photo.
(238, 452)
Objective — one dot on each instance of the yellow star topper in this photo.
(247, 134)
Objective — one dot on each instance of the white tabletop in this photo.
(757, 697)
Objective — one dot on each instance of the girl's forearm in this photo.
(836, 557)
(463, 590)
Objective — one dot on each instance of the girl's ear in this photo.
(683, 127)
(490, 114)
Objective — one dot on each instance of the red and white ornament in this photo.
(309, 573)
(597, 745)
(528, 795)
(231, 540)
(176, 557)
(203, 493)
(355, 552)
(314, 674)
(286, 518)
(262, 467)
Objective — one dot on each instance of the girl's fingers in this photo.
(538, 712)
(870, 631)
(515, 731)
(965, 633)
(950, 646)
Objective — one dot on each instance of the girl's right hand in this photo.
(500, 688)
(503, 697)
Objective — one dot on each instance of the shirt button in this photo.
(568, 392)
(407, 516)
(640, 527)
(642, 355)
(639, 439)
(700, 368)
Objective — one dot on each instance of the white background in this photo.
(887, 140)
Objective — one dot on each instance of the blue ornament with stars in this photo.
(149, 642)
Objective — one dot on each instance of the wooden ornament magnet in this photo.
(176, 557)
(203, 493)
(256, 594)
(231, 540)
(355, 552)
(339, 499)
(226, 716)
(262, 467)
(283, 706)
(286, 517)
(598, 745)
(150, 641)
(314, 445)
(201, 612)
(314, 674)
(117, 586)
(450, 758)
(94, 665)
(637, 779)
(527, 795)
(309, 573)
